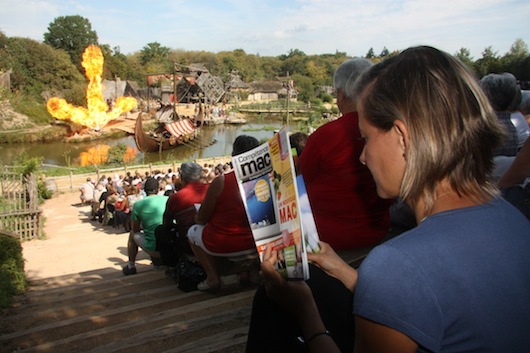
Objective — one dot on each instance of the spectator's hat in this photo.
(151, 185)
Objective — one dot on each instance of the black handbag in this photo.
(189, 275)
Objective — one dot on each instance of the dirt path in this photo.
(73, 242)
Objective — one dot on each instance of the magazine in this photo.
(275, 201)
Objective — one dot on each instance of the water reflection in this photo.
(62, 153)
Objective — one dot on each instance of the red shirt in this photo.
(348, 213)
(228, 230)
(181, 204)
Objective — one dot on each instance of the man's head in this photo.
(502, 91)
(344, 82)
(151, 186)
(244, 143)
(190, 172)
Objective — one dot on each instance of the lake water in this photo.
(223, 136)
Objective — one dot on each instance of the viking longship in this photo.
(170, 133)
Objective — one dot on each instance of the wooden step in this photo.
(104, 311)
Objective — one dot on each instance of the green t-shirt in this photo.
(150, 212)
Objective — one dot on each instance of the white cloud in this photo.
(273, 27)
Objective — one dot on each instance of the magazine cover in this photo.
(268, 185)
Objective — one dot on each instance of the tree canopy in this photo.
(72, 34)
(35, 65)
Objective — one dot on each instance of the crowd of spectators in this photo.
(112, 197)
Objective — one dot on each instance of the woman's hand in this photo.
(295, 296)
(331, 263)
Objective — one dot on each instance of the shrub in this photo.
(326, 98)
(44, 192)
(116, 154)
(12, 278)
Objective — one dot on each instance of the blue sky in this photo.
(273, 27)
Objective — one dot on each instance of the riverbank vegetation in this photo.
(40, 70)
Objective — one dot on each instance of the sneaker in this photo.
(128, 271)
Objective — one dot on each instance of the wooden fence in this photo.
(20, 214)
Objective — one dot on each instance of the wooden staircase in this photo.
(104, 311)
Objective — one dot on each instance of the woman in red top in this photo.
(222, 227)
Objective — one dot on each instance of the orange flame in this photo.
(96, 115)
(98, 155)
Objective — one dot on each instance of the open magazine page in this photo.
(268, 186)
(253, 170)
(309, 227)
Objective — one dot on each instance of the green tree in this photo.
(72, 34)
(304, 86)
(116, 154)
(384, 53)
(370, 54)
(464, 55)
(3, 39)
(271, 67)
(294, 62)
(116, 64)
(154, 53)
(513, 61)
(488, 63)
(317, 70)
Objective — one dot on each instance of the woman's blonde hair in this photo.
(452, 128)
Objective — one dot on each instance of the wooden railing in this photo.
(20, 213)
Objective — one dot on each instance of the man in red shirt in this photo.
(348, 213)
(180, 212)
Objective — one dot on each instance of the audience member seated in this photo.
(501, 91)
(297, 141)
(347, 211)
(524, 108)
(110, 206)
(135, 194)
(517, 118)
(147, 214)
(514, 184)
(109, 190)
(87, 191)
(179, 216)
(100, 189)
(222, 227)
(122, 211)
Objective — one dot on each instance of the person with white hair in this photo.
(180, 212)
(348, 213)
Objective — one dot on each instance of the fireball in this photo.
(96, 115)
